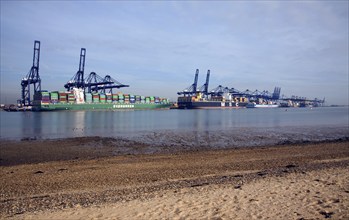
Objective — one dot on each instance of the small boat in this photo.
(254, 105)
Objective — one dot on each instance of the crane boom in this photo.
(93, 81)
(113, 84)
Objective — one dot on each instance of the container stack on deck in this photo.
(56, 97)
(88, 97)
(42, 96)
(121, 98)
(102, 98)
(109, 98)
(132, 99)
(95, 97)
(115, 97)
(71, 98)
(63, 97)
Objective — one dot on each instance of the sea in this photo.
(207, 127)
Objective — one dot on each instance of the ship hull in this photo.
(97, 106)
(210, 104)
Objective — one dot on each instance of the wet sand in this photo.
(79, 179)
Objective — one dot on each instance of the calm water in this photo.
(47, 125)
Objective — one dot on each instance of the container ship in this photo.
(99, 93)
(197, 102)
(220, 97)
(78, 100)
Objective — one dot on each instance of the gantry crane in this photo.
(191, 90)
(220, 90)
(32, 77)
(78, 79)
(93, 82)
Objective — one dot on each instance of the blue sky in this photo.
(155, 46)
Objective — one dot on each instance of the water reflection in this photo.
(37, 124)
(201, 123)
(31, 125)
(79, 123)
(204, 123)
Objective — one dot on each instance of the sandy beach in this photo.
(60, 179)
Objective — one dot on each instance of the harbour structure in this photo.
(224, 97)
(193, 98)
(299, 101)
(93, 93)
(32, 78)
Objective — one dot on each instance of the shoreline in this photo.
(82, 148)
(79, 185)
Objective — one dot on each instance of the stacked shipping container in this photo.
(127, 98)
(115, 97)
(95, 97)
(88, 97)
(102, 98)
(54, 97)
(68, 97)
(121, 98)
(42, 96)
(109, 98)
(62, 97)
(71, 97)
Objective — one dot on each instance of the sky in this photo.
(156, 46)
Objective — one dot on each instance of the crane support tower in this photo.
(204, 88)
(191, 90)
(32, 77)
(78, 79)
(207, 81)
(276, 93)
(195, 84)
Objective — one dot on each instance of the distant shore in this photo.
(59, 179)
